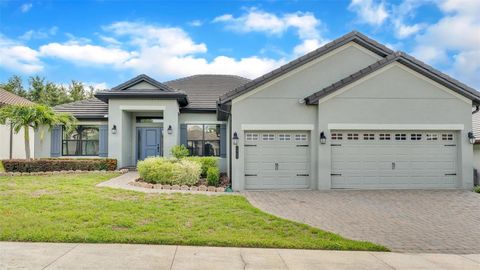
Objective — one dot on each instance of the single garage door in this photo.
(398, 159)
(277, 160)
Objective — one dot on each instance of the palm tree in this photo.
(33, 116)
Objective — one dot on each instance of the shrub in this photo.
(59, 164)
(180, 151)
(206, 162)
(213, 176)
(171, 171)
(476, 189)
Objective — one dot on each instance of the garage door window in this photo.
(251, 137)
(300, 137)
(337, 136)
(352, 136)
(268, 137)
(415, 137)
(432, 137)
(369, 137)
(400, 137)
(284, 137)
(447, 137)
(384, 137)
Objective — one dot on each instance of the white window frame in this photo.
(268, 137)
(301, 137)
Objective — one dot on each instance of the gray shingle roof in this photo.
(7, 98)
(408, 61)
(88, 108)
(353, 36)
(204, 90)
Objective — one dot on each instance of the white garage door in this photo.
(277, 160)
(393, 159)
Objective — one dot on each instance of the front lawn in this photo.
(69, 208)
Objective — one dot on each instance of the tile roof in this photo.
(88, 108)
(8, 98)
(353, 36)
(204, 90)
(408, 61)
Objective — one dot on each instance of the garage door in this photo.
(277, 160)
(399, 159)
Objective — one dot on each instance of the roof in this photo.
(353, 36)
(8, 98)
(408, 61)
(85, 109)
(124, 91)
(203, 90)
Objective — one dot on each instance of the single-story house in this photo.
(13, 144)
(351, 114)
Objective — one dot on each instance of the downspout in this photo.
(11, 141)
(477, 108)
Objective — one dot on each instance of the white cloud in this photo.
(39, 34)
(109, 40)
(457, 34)
(307, 46)
(369, 11)
(17, 57)
(26, 7)
(195, 23)
(97, 85)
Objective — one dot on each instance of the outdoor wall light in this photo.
(471, 137)
(323, 139)
(114, 129)
(170, 130)
(235, 138)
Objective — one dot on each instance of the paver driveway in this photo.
(434, 221)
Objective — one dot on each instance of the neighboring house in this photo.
(13, 144)
(351, 114)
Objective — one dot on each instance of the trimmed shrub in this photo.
(169, 171)
(180, 151)
(59, 164)
(476, 189)
(213, 176)
(206, 162)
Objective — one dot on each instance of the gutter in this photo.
(477, 108)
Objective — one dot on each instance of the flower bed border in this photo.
(122, 171)
(201, 188)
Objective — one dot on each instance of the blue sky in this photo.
(104, 43)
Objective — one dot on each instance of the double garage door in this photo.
(277, 160)
(393, 159)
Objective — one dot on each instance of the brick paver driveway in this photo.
(403, 220)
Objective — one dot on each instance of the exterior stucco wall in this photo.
(206, 118)
(18, 144)
(120, 113)
(396, 95)
(277, 103)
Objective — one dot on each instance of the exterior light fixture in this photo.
(323, 139)
(170, 130)
(471, 137)
(235, 138)
(114, 129)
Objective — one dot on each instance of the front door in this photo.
(149, 142)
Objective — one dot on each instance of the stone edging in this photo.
(122, 171)
(201, 188)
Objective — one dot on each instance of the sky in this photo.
(104, 43)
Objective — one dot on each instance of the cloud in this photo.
(39, 34)
(26, 7)
(369, 11)
(307, 46)
(97, 85)
(195, 23)
(454, 38)
(17, 57)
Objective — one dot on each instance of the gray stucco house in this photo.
(351, 114)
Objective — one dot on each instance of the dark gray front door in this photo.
(149, 142)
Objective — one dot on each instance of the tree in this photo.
(15, 85)
(33, 116)
(36, 93)
(77, 91)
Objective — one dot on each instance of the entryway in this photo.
(149, 142)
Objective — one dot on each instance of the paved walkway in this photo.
(433, 221)
(123, 181)
(120, 256)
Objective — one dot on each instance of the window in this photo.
(352, 136)
(203, 140)
(284, 137)
(432, 137)
(82, 141)
(415, 137)
(268, 137)
(300, 137)
(400, 137)
(251, 137)
(384, 137)
(337, 136)
(369, 137)
(149, 119)
(447, 137)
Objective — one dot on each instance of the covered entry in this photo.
(277, 160)
(394, 159)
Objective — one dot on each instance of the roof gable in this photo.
(353, 36)
(405, 60)
(142, 80)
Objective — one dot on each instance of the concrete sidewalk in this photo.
(121, 256)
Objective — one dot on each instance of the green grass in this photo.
(69, 208)
(2, 169)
